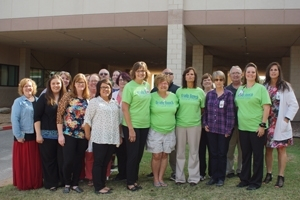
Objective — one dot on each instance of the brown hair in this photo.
(49, 94)
(77, 78)
(23, 82)
(187, 70)
(257, 76)
(206, 76)
(139, 65)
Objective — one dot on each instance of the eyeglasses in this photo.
(217, 79)
(103, 74)
(168, 73)
(105, 88)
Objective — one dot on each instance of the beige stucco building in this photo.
(40, 36)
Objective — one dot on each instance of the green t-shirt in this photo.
(250, 103)
(162, 113)
(191, 100)
(138, 97)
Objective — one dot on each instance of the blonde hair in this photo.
(77, 78)
(23, 82)
(161, 78)
(139, 65)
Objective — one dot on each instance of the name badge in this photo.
(221, 104)
(241, 93)
(277, 96)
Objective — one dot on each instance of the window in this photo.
(9, 75)
(41, 76)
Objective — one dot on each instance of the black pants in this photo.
(202, 154)
(102, 155)
(218, 147)
(121, 153)
(73, 153)
(51, 164)
(135, 152)
(251, 144)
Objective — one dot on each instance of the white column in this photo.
(25, 55)
(295, 74)
(176, 52)
(197, 61)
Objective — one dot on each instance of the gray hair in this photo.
(235, 67)
(219, 74)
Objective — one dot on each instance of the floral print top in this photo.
(70, 113)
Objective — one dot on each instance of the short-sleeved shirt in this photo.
(191, 100)
(250, 103)
(162, 112)
(138, 97)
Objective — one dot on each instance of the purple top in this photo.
(219, 113)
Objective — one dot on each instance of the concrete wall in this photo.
(42, 8)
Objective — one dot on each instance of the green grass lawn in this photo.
(201, 191)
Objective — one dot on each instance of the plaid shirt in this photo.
(219, 119)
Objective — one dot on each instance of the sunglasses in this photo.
(168, 73)
(216, 79)
(103, 74)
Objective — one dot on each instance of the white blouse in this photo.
(104, 119)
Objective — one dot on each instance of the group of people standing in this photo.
(91, 118)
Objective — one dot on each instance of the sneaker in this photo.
(150, 175)
(173, 177)
(202, 178)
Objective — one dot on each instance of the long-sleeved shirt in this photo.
(104, 119)
(22, 117)
(46, 114)
(219, 113)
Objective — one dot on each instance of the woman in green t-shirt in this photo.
(136, 120)
(253, 102)
(188, 126)
(161, 138)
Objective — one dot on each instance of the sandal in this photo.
(132, 188)
(138, 186)
(163, 184)
(103, 191)
(268, 178)
(53, 189)
(157, 184)
(280, 182)
(90, 183)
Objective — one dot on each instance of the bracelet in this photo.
(263, 125)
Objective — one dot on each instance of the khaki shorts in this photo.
(158, 142)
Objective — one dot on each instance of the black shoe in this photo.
(252, 187)
(66, 190)
(77, 189)
(242, 184)
(138, 186)
(211, 182)
(268, 178)
(179, 183)
(173, 177)
(230, 175)
(280, 182)
(193, 184)
(220, 183)
(107, 192)
(150, 175)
